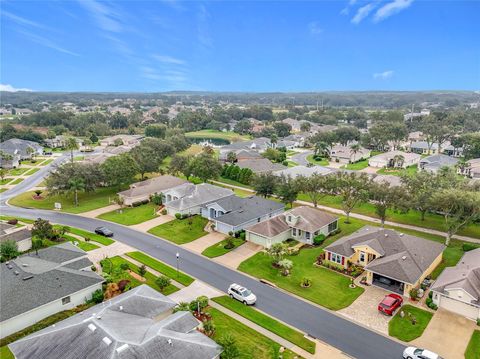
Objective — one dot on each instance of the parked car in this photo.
(417, 353)
(104, 231)
(390, 304)
(242, 294)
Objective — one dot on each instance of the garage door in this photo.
(467, 310)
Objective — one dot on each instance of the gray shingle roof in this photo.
(17, 146)
(304, 171)
(16, 236)
(138, 324)
(436, 162)
(261, 165)
(271, 227)
(311, 219)
(153, 185)
(260, 143)
(199, 195)
(247, 209)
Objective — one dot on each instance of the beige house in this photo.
(20, 235)
(394, 159)
(141, 191)
(394, 261)
(345, 154)
(302, 224)
(472, 168)
(127, 140)
(457, 289)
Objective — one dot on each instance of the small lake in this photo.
(213, 141)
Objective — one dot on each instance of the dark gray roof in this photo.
(79, 264)
(59, 254)
(435, 162)
(137, 324)
(260, 143)
(17, 146)
(16, 236)
(261, 165)
(48, 280)
(402, 257)
(271, 227)
(199, 195)
(247, 209)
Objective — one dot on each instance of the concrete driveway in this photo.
(364, 310)
(238, 255)
(199, 245)
(447, 334)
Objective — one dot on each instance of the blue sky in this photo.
(240, 46)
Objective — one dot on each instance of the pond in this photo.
(213, 141)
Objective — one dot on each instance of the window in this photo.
(307, 235)
(289, 218)
(336, 258)
(294, 231)
(258, 219)
(362, 256)
(65, 300)
(332, 226)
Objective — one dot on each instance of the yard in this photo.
(268, 323)
(93, 236)
(473, 348)
(357, 166)
(17, 181)
(181, 231)
(218, 249)
(322, 162)
(214, 134)
(411, 326)
(87, 200)
(397, 172)
(131, 215)
(18, 171)
(32, 171)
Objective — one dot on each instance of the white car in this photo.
(241, 294)
(417, 353)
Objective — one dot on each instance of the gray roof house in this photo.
(304, 171)
(232, 214)
(138, 324)
(395, 261)
(18, 147)
(301, 223)
(189, 198)
(37, 286)
(21, 236)
(345, 154)
(261, 165)
(257, 144)
(435, 162)
(393, 181)
(458, 288)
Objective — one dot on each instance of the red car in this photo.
(390, 303)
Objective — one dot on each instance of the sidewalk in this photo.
(200, 244)
(96, 212)
(147, 225)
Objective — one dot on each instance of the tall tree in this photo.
(287, 190)
(264, 184)
(76, 185)
(120, 170)
(384, 197)
(71, 145)
(420, 187)
(205, 166)
(315, 187)
(352, 188)
(181, 164)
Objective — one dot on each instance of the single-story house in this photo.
(189, 198)
(295, 124)
(301, 223)
(345, 154)
(20, 235)
(10, 161)
(472, 169)
(457, 289)
(22, 148)
(37, 286)
(416, 136)
(298, 138)
(139, 323)
(422, 147)
(128, 140)
(243, 155)
(257, 144)
(98, 158)
(117, 150)
(304, 171)
(141, 191)
(261, 165)
(232, 213)
(287, 144)
(394, 261)
(393, 181)
(435, 162)
(388, 159)
(60, 141)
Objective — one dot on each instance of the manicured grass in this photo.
(93, 236)
(87, 200)
(267, 322)
(32, 171)
(17, 181)
(44, 163)
(24, 220)
(403, 329)
(322, 162)
(6, 180)
(5, 353)
(251, 344)
(181, 231)
(232, 182)
(149, 277)
(329, 289)
(78, 158)
(18, 171)
(3, 190)
(86, 246)
(357, 166)
(132, 215)
(170, 272)
(398, 172)
(219, 249)
(292, 163)
(473, 348)
(229, 136)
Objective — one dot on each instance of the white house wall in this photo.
(267, 242)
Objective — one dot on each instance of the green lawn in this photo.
(229, 136)
(398, 172)
(219, 249)
(131, 215)
(267, 322)
(149, 277)
(17, 181)
(292, 163)
(166, 270)
(403, 329)
(32, 171)
(181, 231)
(18, 171)
(78, 158)
(251, 344)
(357, 166)
(473, 348)
(44, 163)
(3, 189)
(322, 162)
(86, 246)
(93, 236)
(329, 289)
(5, 353)
(232, 182)
(5, 180)
(87, 200)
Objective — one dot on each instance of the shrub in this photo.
(478, 322)
(413, 293)
(469, 246)
(429, 302)
(164, 211)
(13, 221)
(97, 296)
(430, 294)
(124, 266)
(178, 215)
(318, 240)
(306, 282)
(93, 268)
(9, 249)
(243, 235)
(337, 231)
(285, 163)
(123, 284)
(142, 270)
(185, 215)
(208, 328)
(162, 282)
(38, 192)
(229, 243)
(139, 203)
(193, 306)
(182, 307)
(203, 302)
(87, 239)
(230, 348)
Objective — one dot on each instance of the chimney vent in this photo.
(122, 348)
(404, 257)
(170, 342)
(107, 340)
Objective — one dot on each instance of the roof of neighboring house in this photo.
(474, 164)
(135, 324)
(311, 219)
(124, 138)
(197, 195)
(17, 236)
(390, 155)
(261, 165)
(347, 152)
(98, 158)
(243, 210)
(257, 143)
(5, 227)
(271, 227)
(42, 279)
(118, 150)
(393, 181)
(402, 257)
(247, 154)
(15, 146)
(465, 275)
(152, 185)
(304, 171)
(438, 161)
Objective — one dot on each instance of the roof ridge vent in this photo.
(122, 348)
(28, 277)
(400, 234)
(107, 340)
(92, 327)
(404, 257)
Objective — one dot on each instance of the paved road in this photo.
(351, 338)
(301, 158)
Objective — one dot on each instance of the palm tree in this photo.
(321, 148)
(463, 166)
(31, 152)
(354, 149)
(398, 161)
(71, 145)
(286, 265)
(274, 140)
(75, 185)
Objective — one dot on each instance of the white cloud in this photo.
(362, 13)
(383, 75)
(169, 59)
(10, 88)
(315, 28)
(105, 16)
(391, 8)
(203, 31)
(46, 42)
(22, 21)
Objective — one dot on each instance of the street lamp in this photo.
(178, 257)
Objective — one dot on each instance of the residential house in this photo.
(261, 165)
(22, 111)
(22, 149)
(232, 213)
(287, 144)
(416, 136)
(35, 286)
(258, 145)
(9, 161)
(471, 169)
(424, 148)
(457, 289)
(435, 162)
(298, 139)
(142, 191)
(98, 158)
(127, 140)
(190, 199)
(60, 141)
(411, 115)
(117, 150)
(304, 171)
(139, 323)
(345, 154)
(242, 155)
(391, 180)
(20, 235)
(301, 223)
(295, 124)
(394, 261)
(388, 159)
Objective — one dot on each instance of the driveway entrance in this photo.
(388, 283)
